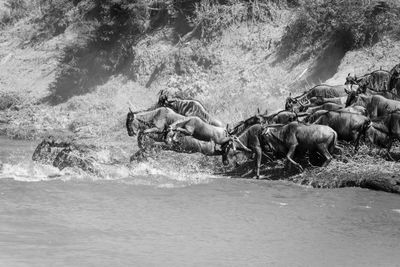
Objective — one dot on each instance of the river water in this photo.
(152, 218)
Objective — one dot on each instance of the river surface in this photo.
(152, 218)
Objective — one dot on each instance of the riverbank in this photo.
(366, 169)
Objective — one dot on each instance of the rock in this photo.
(62, 154)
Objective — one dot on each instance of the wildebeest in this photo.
(326, 106)
(155, 120)
(282, 117)
(377, 80)
(349, 126)
(355, 109)
(182, 144)
(187, 107)
(323, 90)
(394, 83)
(284, 140)
(322, 100)
(378, 135)
(248, 141)
(385, 128)
(241, 126)
(375, 105)
(197, 128)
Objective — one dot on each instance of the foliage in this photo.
(354, 23)
(213, 16)
(16, 10)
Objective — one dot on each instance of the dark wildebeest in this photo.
(284, 140)
(282, 117)
(249, 141)
(348, 126)
(326, 106)
(188, 108)
(375, 105)
(394, 84)
(377, 80)
(199, 129)
(378, 135)
(371, 91)
(323, 90)
(241, 126)
(385, 130)
(155, 120)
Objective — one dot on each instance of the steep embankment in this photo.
(241, 64)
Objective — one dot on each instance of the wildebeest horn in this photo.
(130, 105)
(348, 74)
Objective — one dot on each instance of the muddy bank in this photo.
(366, 169)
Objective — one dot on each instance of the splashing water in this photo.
(165, 172)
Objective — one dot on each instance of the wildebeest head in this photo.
(132, 124)
(289, 103)
(352, 98)
(297, 104)
(351, 80)
(255, 119)
(163, 99)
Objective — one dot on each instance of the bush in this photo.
(16, 10)
(322, 22)
(9, 100)
(213, 16)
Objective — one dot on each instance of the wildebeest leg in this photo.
(290, 155)
(388, 149)
(258, 161)
(324, 151)
(357, 142)
(152, 130)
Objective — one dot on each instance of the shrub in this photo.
(16, 10)
(322, 22)
(211, 17)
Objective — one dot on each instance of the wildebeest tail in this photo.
(333, 146)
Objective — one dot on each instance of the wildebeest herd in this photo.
(310, 124)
